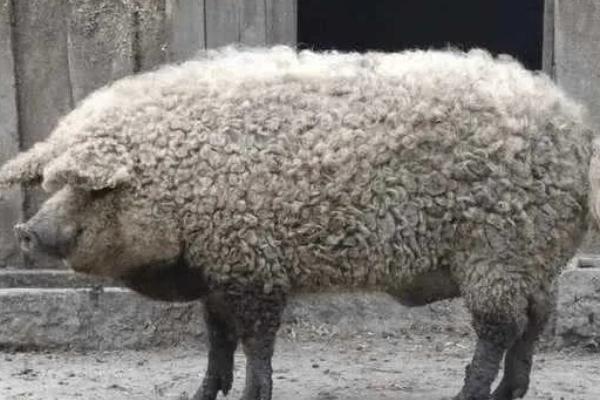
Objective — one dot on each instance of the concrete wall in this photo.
(577, 51)
(11, 206)
(572, 57)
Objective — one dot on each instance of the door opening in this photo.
(512, 27)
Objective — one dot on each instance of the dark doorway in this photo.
(512, 27)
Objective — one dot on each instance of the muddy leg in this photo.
(260, 319)
(499, 319)
(517, 366)
(482, 370)
(519, 358)
(259, 351)
(223, 341)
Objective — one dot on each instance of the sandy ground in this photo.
(367, 367)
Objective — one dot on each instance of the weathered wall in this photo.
(11, 206)
(53, 53)
(577, 51)
(573, 40)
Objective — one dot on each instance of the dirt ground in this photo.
(366, 367)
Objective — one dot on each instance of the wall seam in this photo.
(68, 39)
(13, 48)
(205, 22)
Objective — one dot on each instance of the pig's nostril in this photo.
(25, 237)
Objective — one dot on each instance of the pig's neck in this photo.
(168, 281)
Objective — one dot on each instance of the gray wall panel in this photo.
(12, 202)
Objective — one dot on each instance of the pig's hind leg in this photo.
(519, 358)
(223, 340)
(260, 317)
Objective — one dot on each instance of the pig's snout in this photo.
(26, 237)
(43, 238)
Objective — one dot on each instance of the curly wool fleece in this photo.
(312, 170)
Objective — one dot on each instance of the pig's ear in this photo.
(26, 168)
(91, 165)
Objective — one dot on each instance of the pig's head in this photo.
(99, 232)
(96, 221)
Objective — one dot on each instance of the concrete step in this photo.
(578, 308)
(585, 260)
(117, 318)
(48, 278)
(76, 318)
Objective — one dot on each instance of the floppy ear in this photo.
(26, 167)
(98, 163)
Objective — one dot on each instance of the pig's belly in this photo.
(424, 288)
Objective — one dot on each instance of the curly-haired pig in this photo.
(247, 176)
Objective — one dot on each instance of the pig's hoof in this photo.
(212, 384)
(509, 392)
(460, 396)
(225, 382)
(257, 392)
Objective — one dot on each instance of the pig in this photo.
(250, 175)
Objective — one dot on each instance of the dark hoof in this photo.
(226, 383)
(257, 393)
(460, 396)
(253, 396)
(212, 385)
(506, 392)
(511, 389)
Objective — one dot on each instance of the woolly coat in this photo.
(311, 171)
